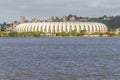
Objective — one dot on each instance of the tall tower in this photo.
(22, 19)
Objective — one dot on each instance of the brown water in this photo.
(59, 59)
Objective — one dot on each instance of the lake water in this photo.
(59, 58)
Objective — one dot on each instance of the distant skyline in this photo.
(42, 9)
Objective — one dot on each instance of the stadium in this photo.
(90, 27)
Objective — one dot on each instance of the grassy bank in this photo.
(58, 34)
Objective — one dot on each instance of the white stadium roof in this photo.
(90, 27)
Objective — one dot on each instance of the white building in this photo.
(90, 27)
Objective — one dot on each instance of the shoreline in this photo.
(63, 37)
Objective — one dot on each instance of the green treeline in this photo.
(73, 33)
(41, 34)
(112, 22)
(23, 34)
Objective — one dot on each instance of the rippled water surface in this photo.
(59, 59)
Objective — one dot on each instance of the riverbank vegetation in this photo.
(82, 33)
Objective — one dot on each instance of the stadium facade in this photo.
(90, 27)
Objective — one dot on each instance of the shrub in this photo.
(83, 32)
(74, 33)
(13, 34)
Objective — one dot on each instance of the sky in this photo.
(11, 10)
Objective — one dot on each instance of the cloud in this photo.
(113, 4)
(95, 4)
(13, 9)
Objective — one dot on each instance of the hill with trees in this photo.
(112, 22)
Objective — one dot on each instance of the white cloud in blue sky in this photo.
(43, 9)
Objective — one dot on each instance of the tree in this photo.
(74, 33)
(83, 32)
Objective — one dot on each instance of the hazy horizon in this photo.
(42, 9)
